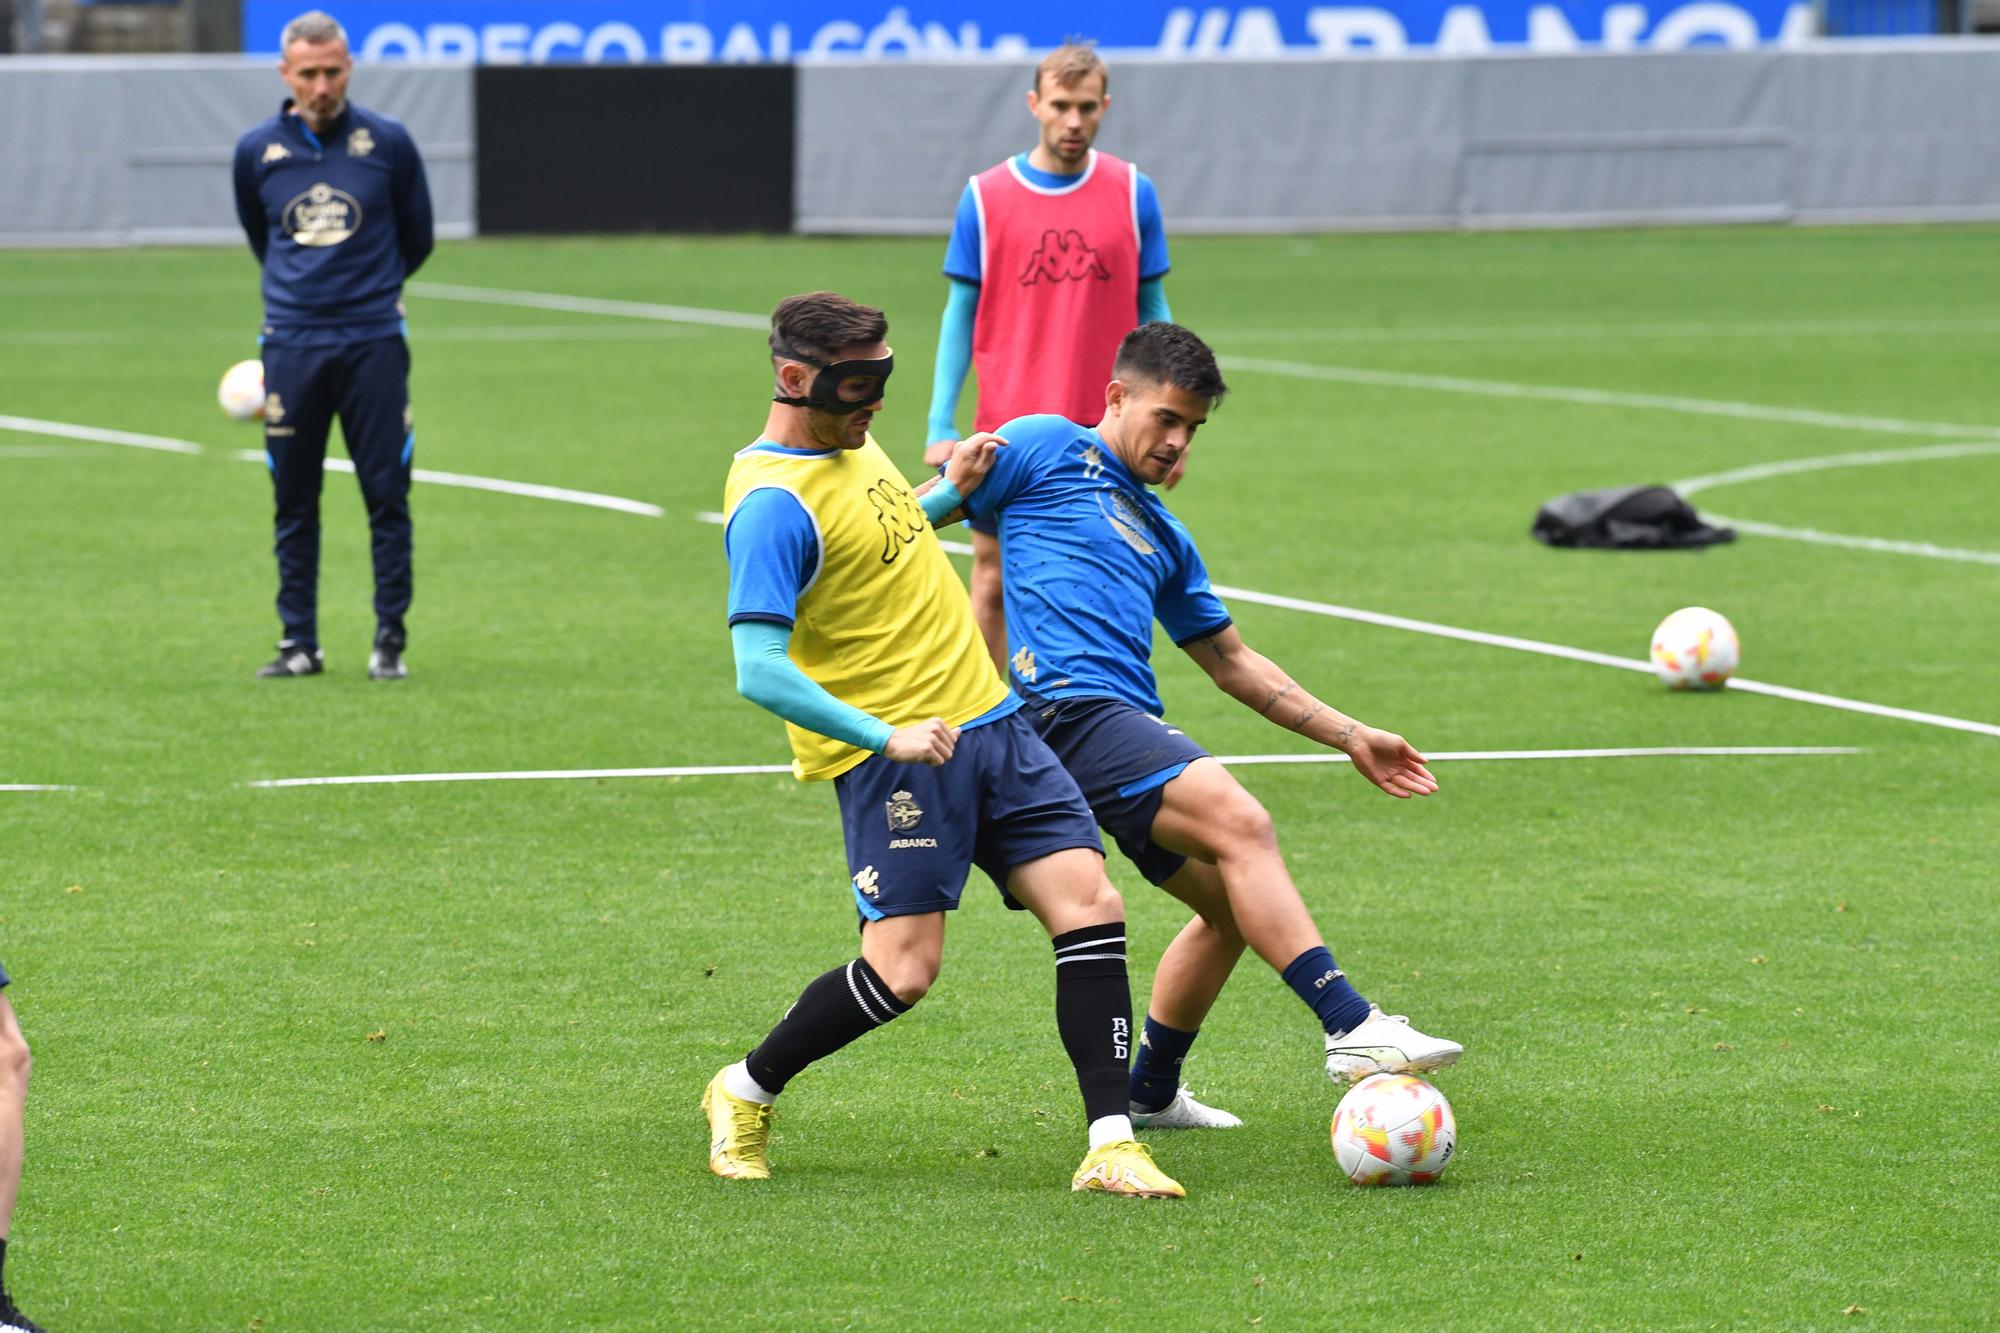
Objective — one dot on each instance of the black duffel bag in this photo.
(1626, 518)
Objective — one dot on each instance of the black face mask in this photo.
(826, 394)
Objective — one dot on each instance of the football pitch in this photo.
(427, 1055)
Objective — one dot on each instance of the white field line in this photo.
(1882, 545)
(36, 786)
(1657, 402)
(49, 451)
(1236, 760)
(533, 491)
(1866, 458)
(590, 305)
(527, 775)
(1564, 651)
(1690, 329)
(64, 430)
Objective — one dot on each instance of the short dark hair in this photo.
(819, 324)
(1163, 353)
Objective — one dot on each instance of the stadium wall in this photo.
(136, 151)
(1829, 132)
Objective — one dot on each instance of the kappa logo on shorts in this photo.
(866, 880)
(904, 812)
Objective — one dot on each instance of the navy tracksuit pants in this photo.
(366, 385)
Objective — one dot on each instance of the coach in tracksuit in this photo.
(334, 201)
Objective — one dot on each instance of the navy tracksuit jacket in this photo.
(338, 220)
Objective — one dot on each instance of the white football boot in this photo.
(1183, 1112)
(1386, 1044)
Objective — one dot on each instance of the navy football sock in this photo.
(1326, 991)
(1156, 1074)
(836, 1008)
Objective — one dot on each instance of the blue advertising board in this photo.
(755, 31)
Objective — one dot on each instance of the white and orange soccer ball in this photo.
(241, 392)
(1393, 1129)
(1695, 649)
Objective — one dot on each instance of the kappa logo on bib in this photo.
(322, 216)
(1061, 258)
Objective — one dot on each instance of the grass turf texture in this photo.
(428, 1056)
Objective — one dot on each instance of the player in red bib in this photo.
(1056, 254)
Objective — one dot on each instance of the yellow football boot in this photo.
(737, 1133)
(1126, 1168)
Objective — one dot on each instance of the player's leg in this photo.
(298, 412)
(904, 876)
(13, 1093)
(1206, 814)
(1037, 839)
(1120, 759)
(375, 419)
(989, 606)
(1190, 976)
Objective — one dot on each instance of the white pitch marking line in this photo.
(1704, 330)
(36, 786)
(1709, 407)
(1237, 760)
(64, 430)
(590, 305)
(1641, 752)
(561, 494)
(527, 775)
(1564, 651)
(1867, 458)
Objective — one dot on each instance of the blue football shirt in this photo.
(1091, 559)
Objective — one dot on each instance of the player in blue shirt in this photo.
(1091, 558)
(336, 208)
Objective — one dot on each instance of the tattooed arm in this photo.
(1260, 684)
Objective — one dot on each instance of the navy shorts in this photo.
(990, 524)
(913, 831)
(1121, 757)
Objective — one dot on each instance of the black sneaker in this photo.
(293, 659)
(386, 662)
(13, 1321)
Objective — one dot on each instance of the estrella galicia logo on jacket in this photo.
(322, 216)
(1127, 519)
(1062, 258)
(360, 143)
(901, 517)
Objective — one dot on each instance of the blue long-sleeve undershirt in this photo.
(767, 677)
(954, 356)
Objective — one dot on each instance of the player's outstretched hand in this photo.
(1389, 761)
(971, 460)
(937, 451)
(929, 742)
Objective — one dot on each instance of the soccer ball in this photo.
(1393, 1129)
(242, 390)
(1695, 649)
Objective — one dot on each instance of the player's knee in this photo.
(14, 1060)
(1105, 903)
(1243, 824)
(910, 978)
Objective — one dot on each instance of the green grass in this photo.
(427, 1056)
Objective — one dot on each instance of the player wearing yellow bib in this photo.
(848, 622)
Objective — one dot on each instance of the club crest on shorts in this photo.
(904, 812)
(274, 408)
